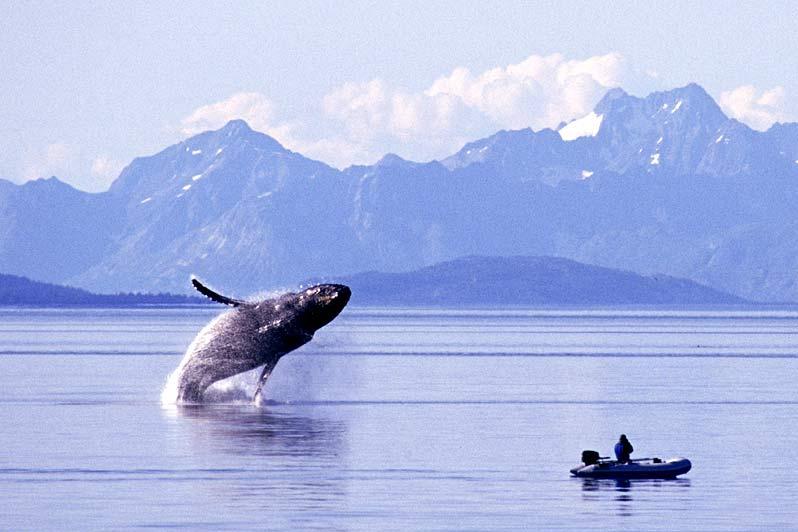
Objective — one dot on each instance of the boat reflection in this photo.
(621, 491)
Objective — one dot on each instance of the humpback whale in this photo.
(254, 334)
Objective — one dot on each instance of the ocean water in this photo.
(403, 419)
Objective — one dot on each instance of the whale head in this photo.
(318, 305)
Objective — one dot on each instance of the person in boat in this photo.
(623, 449)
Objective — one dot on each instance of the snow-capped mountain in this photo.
(682, 131)
(661, 184)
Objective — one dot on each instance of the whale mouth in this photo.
(334, 296)
(339, 293)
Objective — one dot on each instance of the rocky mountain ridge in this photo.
(661, 184)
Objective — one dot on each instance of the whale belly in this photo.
(227, 346)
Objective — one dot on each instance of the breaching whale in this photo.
(254, 334)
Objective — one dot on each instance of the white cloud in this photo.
(758, 110)
(105, 169)
(360, 106)
(338, 151)
(70, 164)
(363, 121)
(538, 92)
(258, 111)
(360, 121)
(253, 107)
(55, 159)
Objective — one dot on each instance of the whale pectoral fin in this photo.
(215, 296)
(264, 375)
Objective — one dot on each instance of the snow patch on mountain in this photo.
(587, 126)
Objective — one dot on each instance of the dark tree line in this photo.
(21, 291)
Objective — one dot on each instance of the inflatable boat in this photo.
(594, 466)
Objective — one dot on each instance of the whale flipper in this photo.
(267, 370)
(214, 296)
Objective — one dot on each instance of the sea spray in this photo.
(312, 373)
(304, 375)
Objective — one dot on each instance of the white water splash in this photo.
(169, 391)
(238, 389)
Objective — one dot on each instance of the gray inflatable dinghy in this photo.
(594, 466)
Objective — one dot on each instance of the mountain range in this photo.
(665, 184)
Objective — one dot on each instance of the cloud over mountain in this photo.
(363, 120)
(253, 107)
(359, 121)
(759, 110)
(540, 91)
(54, 159)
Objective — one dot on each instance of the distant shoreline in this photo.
(57, 306)
(523, 282)
(19, 292)
(390, 307)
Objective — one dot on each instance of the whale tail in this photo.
(215, 296)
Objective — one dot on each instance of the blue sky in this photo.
(87, 87)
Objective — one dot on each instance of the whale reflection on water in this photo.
(273, 463)
(253, 431)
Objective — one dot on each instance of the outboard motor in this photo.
(590, 457)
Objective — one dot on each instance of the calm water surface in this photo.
(434, 420)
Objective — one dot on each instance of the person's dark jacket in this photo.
(623, 449)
